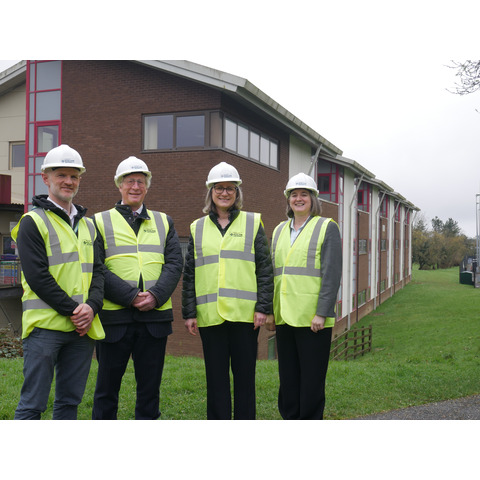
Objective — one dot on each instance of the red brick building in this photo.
(181, 119)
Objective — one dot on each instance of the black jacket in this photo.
(33, 256)
(264, 272)
(121, 293)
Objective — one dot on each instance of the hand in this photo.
(144, 301)
(270, 323)
(82, 318)
(191, 326)
(259, 319)
(318, 323)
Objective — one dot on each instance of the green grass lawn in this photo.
(426, 348)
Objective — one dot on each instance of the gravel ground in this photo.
(467, 408)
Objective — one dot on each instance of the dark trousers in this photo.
(302, 363)
(148, 355)
(230, 344)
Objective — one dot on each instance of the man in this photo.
(62, 278)
(143, 261)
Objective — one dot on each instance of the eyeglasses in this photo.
(130, 182)
(218, 189)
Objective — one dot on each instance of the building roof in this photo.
(13, 76)
(244, 92)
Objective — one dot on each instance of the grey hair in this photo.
(315, 210)
(210, 207)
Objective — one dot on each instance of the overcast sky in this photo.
(371, 77)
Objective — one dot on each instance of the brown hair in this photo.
(315, 210)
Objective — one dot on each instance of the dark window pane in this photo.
(18, 156)
(191, 131)
(324, 183)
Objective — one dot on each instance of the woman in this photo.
(307, 259)
(227, 293)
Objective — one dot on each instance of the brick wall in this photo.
(102, 107)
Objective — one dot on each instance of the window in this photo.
(323, 183)
(245, 141)
(17, 155)
(396, 207)
(167, 132)
(44, 100)
(208, 130)
(47, 138)
(383, 244)
(363, 197)
(362, 297)
(384, 207)
(328, 175)
(362, 247)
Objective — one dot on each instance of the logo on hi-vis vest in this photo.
(149, 230)
(236, 234)
(87, 242)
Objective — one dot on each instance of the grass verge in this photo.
(425, 349)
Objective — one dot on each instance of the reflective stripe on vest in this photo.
(217, 298)
(144, 255)
(309, 270)
(297, 286)
(72, 270)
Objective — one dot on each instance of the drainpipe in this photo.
(378, 255)
(314, 159)
(358, 182)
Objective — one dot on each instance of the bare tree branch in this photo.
(469, 75)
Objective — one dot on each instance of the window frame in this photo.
(11, 166)
(214, 121)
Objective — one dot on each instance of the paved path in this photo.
(467, 408)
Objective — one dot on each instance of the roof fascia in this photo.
(13, 76)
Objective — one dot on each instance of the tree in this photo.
(442, 247)
(451, 228)
(437, 225)
(468, 73)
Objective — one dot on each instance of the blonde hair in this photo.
(210, 206)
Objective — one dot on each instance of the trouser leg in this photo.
(40, 350)
(243, 340)
(148, 360)
(303, 362)
(314, 353)
(71, 374)
(289, 373)
(112, 362)
(217, 369)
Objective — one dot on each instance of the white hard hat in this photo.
(223, 172)
(63, 156)
(131, 165)
(301, 180)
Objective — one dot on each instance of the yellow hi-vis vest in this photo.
(131, 256)
(225, 280)
(297, 273)
(70, 262)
